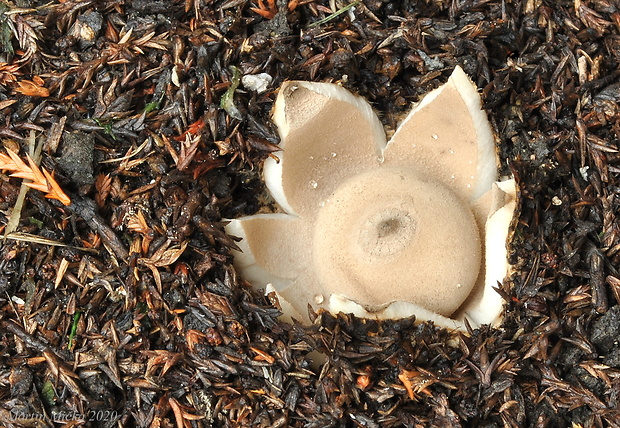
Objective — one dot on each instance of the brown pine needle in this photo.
(41, 180)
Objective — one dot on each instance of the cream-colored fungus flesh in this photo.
(399, 230)
(415, 226)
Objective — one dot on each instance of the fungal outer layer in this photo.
(414, 226)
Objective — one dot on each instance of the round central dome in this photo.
(386, 232)
(387, 235)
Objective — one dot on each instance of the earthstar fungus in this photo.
(413, 226)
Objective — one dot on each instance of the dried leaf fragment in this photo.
(267, 11)
(181, 413)
(32, 88)
(415, 382)
(41, 180)
(164, 256)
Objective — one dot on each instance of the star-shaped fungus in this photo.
(414, 226)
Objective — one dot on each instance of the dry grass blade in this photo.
(42, 181)
(34, 239)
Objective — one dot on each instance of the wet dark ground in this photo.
(123, 308)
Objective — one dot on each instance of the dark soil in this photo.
(123, 308)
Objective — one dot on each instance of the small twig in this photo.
(86, 210)
(31, 341)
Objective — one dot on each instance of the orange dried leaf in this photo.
(262, 355)
(36, 172)
(6, 163)
(8, 73)
(55, 191)
(182, 413)
(405, 377)
(19, 168)
(30, 88)
(415, 382)
(292, 5)
(37, 186)
(193, 128)
(268, 11)
(6, 103)
(40, 180)
(264, 13)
